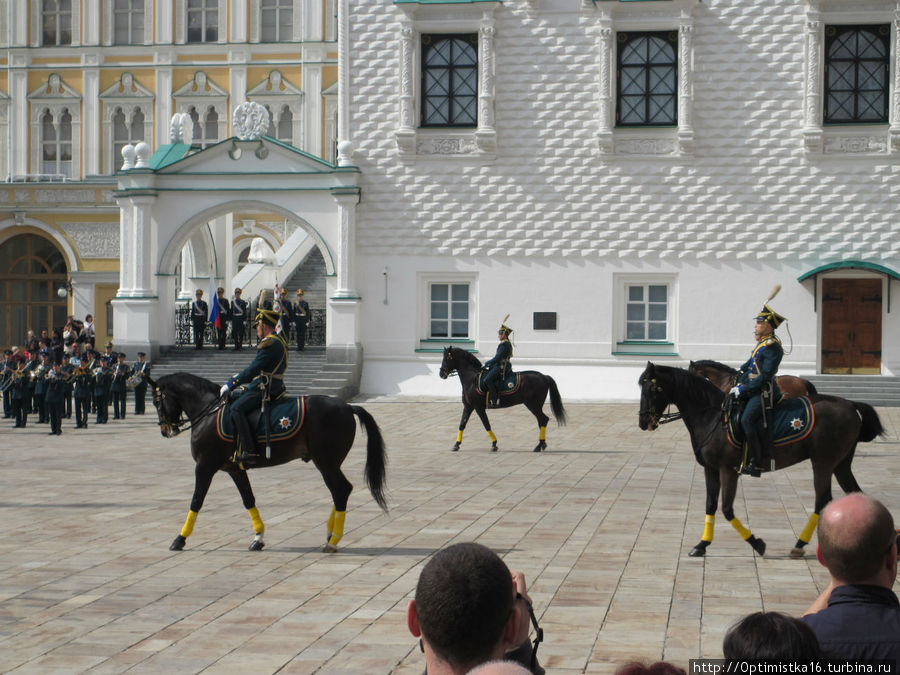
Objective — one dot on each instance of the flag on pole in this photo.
(214, 316)
(276, 305)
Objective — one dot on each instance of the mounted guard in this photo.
(265, 376)
(496, 369)
(757, 389)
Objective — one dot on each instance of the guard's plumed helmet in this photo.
(506, 330)
(268, 316)
(767, 313)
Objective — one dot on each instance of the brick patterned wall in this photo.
(748, 193)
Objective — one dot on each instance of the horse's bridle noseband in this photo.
(658, 418)
(171, 429)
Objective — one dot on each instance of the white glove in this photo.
(735, 391)
(224, 390)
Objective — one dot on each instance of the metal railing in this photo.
(184, 330)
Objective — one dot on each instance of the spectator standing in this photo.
(89, 330)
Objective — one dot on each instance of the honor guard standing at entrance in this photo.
(266, 380)
(757, 389)
(287, 314)
(118, 386)
(199, 314)
(141, 371)
(224, 314)
(301, 319)
(238, 317)
(496, 368)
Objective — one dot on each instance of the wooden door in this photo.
(851, 326)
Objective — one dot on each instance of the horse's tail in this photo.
(871, 424)
(376, 459)
(556, 404)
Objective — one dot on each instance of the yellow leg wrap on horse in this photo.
(492, 437)
(543, 435)
(331, 521)
(741, 530)
(807, 533)
(189, 524)
(708, 527)
(337, 528)
(459, 436)
(258, 526)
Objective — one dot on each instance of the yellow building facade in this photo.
(83, 79)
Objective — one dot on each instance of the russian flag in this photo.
(214, 316)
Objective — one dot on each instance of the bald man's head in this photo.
(855, 534)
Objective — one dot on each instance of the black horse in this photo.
(840, 425)
(325, 438)
(532, 392)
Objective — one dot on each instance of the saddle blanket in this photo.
(509, 386)
(285, 420)
(794, 419)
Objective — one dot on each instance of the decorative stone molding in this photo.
(250, 121)
(48, 197)
(131, 98)
(94, 240)
(275, 92)
(612, 17)
(836, 141)
(181, 129)
(203, 94)
(57, 98)
(417, 19)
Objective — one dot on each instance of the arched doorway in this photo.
(32, 269)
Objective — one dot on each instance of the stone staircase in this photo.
(307, 372)
(310, 276)
(877, 390)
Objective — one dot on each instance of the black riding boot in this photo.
(494, 396)
(247, 444)
(757, 457)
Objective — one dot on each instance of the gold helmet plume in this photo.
(267, 316)
(503, 327)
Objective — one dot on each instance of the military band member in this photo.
(757, 387)
(118, 386)
(92, 359)
(6, 374)
(141, 371)
(40, 386)
(68, 370)
(34, 361)
(265, 376)
(199, 317)
(224, 316)
(54, 398)
(21, 394)
(110, 353)
(84, 381)
(102, 381)
(301, 319)
(238, 319)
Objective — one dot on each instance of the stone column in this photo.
(894, 112)
(605, 107)
(685, 87)
(140, 247)
(345, 145)
(346, 253)
(812, 95)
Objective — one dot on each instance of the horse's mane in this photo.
(190, 381)
(693, 385)
(715, 365)
(468, 357)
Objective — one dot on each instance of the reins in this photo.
(175, 426)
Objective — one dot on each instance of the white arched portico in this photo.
(164, 199)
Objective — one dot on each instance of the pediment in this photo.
(273, 85)
(126, 88)
(199, 87)
(54, 89)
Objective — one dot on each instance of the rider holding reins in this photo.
(757, 388)
(265, 375)
(496, 368)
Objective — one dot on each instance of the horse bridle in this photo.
(174, 428)
(659, 418)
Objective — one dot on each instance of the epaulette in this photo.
(266, 342)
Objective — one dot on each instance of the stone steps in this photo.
(876, 390)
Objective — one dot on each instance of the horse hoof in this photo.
(455, 447)
(540, 446)
(178, 544)
(699, 550)
(796, 552)
(257, 545)
(758, 545)
(329, 548)
(494, 446)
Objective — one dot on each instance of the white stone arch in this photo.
(172, 252)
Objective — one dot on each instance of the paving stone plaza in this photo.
(600, 524)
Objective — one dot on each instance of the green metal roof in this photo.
(168, 154)
(441, 2)
(851, 264)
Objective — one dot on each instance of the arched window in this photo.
(647, 79)
(206, 130)
(32, 269)
(126, 132)
(450, 80)
(856, 73)
(56, 144)
(283, 127)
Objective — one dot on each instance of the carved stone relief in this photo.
(94, 240)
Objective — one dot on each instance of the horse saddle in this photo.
(508, 386)
(791, 420)
(286, 417)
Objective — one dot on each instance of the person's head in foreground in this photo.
(765, 636)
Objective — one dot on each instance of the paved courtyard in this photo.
(601, 525)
